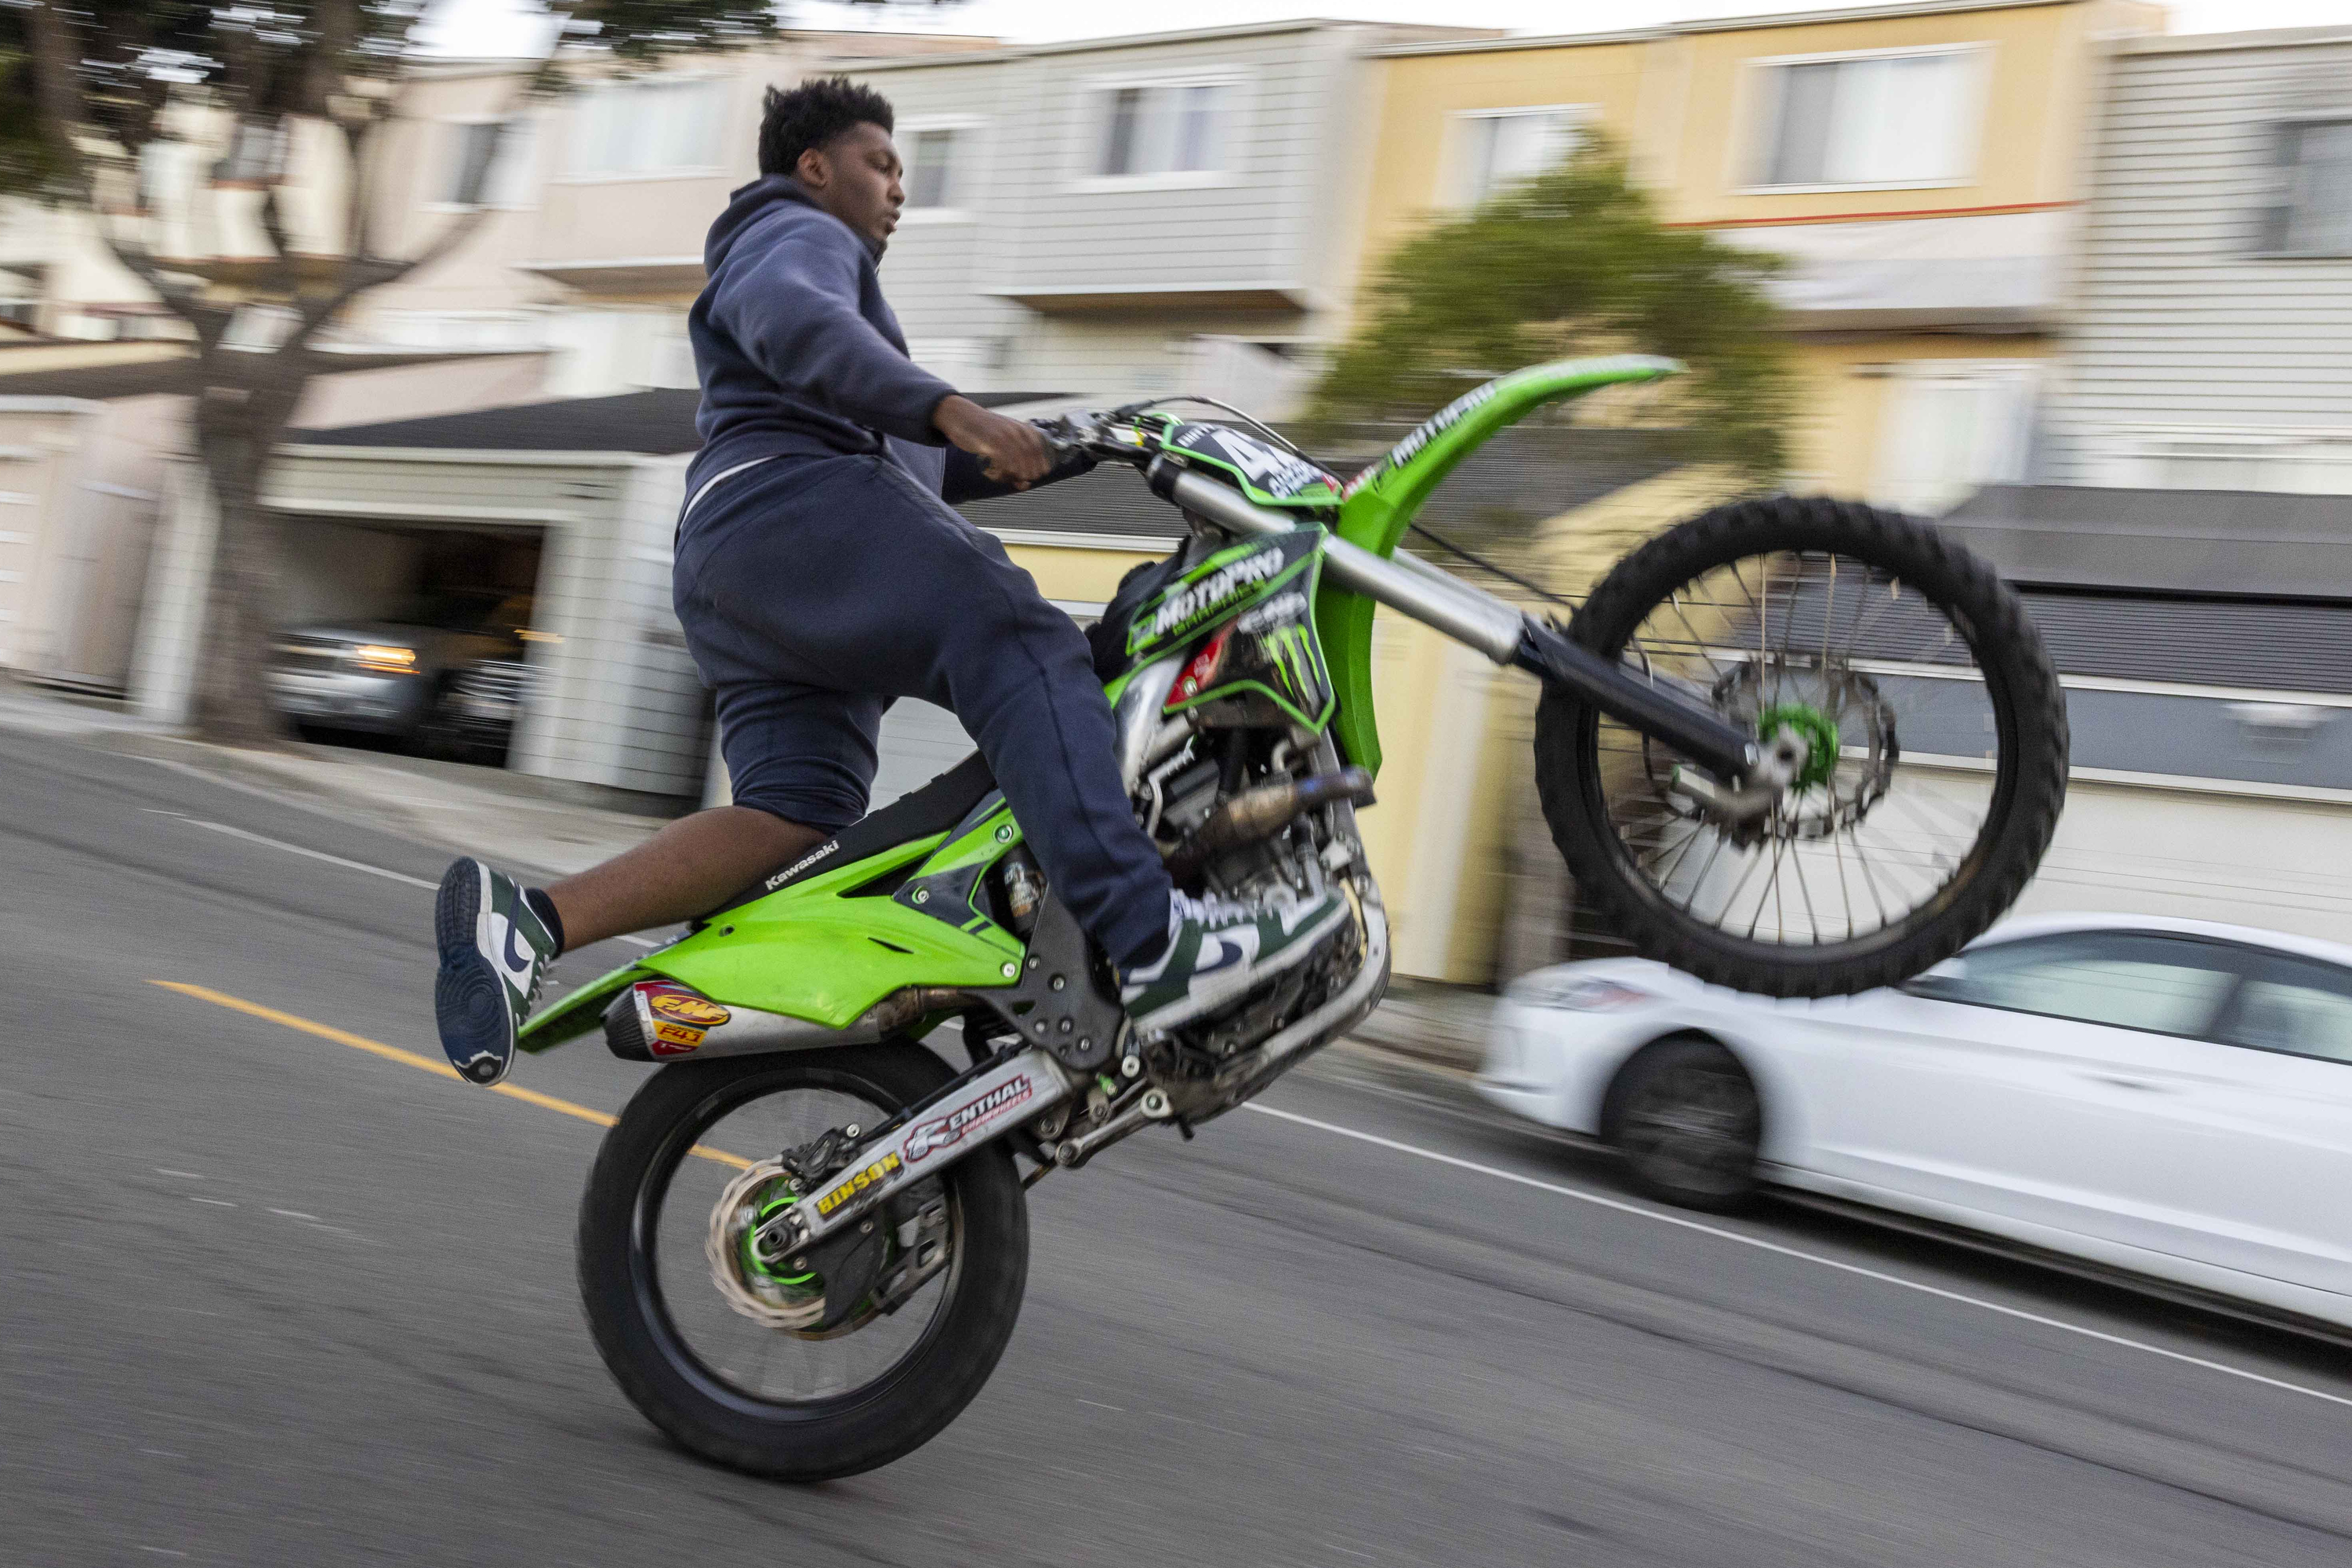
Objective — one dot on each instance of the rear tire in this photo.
(803, 1439)
(1601, 838)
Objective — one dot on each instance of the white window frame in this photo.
(1758, 101)
(1093, 97)
(1453, 185)
(524, 182)
(573, 125)
(2279, 220)
(970, 132)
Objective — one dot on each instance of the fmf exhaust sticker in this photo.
(850, 1186)
(684, 1007)
(947, 1131)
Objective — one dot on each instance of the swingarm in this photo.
(1511, 638)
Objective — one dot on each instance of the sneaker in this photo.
(495, 952)
(1219, 949)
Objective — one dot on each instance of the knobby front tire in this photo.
(1819, 616)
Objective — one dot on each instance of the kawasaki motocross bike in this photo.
(1795, 746)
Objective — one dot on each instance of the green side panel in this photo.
(579, 1011)
(809, 951)
(1380, 504)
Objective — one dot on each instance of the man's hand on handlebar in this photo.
(1012, 451)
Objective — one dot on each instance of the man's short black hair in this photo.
(813, 114)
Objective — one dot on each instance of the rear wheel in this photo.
(1686, 1115)
(1934, 730)
(719, 1371)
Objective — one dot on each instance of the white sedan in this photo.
(2166, 1097)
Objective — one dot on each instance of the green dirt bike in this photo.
(804, 1243)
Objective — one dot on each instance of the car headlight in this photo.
(1577, 992)
(384, 658)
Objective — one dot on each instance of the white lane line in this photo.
(191, 1175)
(299, 849)
(1761, 1245)
(216, 1203)
(333, 859)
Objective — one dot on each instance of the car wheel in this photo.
(1688, 1118)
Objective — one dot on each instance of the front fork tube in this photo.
(1501, 630)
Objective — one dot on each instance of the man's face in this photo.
(855, 178)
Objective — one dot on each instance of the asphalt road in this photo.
(269, 1296)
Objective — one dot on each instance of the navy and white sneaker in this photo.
(1218, 949)
(495, 952)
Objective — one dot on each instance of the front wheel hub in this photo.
(1816, 729)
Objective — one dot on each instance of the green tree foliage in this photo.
(1574, 261)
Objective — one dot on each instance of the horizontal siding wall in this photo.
(1033, 221)
(2179, 317)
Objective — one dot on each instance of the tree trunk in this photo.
(245, 406)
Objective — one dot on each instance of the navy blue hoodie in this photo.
(797, 349)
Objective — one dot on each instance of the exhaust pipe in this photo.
(662, 1021)
(1258, 814)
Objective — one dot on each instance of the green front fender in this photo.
(1380, 504)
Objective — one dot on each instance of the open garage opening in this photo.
(407, 638)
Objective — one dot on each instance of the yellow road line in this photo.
(410, 1058)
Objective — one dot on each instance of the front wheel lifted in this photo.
(796, 1397)
(1931, 723)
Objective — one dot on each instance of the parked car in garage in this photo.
(475, 719)
(2168, 1098)
(388, 677)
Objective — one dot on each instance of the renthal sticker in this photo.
(1282, 607)
(686, 1008)
(828, 1202)
(951, 1129)
(1211, 593)
(1420, 436)
(674, 1039)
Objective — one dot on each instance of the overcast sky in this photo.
(481, 28)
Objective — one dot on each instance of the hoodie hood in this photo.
(747, 203)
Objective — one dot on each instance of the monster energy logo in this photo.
(1290, 649)
(1188, 604)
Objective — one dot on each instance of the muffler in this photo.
(661, 1021)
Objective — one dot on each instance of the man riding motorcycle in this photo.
(821, 573)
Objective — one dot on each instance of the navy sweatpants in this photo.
(814, 589)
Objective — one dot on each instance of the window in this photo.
(1869, 119)
(935, 167)
(1161, 129)
(1951, 426)
(650, 126)
(489, 164)
(2131, 980)
(2295, 1004)
(2316, 217)
(1497, 148)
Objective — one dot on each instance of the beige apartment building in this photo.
(1920, 164)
